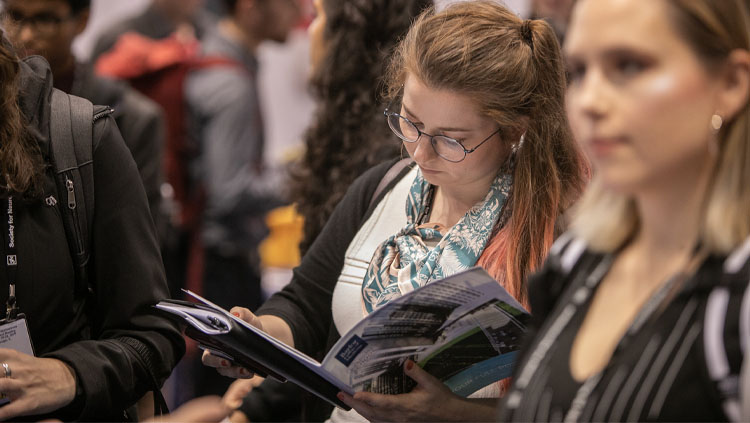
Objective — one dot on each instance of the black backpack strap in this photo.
(389, 177)
(71, 139)
(72, 147)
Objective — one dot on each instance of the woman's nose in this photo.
(423, 150)
(590, 98)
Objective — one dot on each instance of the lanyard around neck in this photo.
(11, 257)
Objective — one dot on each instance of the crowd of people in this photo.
(592, 158)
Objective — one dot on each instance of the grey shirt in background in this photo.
(225, 118)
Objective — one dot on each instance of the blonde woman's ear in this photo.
(735, 92)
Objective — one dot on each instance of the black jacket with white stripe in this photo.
(681, 364)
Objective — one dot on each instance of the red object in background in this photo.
(135, 55)
(308, 13)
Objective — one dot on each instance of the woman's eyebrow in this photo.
(442, 129)
(408, 112)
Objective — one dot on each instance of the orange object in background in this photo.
(281, 248)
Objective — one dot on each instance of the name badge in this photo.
(15, 336)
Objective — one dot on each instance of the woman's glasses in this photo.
(447, 148)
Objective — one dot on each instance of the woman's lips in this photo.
(428, 171)
(601, 146)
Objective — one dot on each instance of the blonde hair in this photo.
(606, 219)
(513, 69)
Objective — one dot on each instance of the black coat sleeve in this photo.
(131, 350)
(311, 289)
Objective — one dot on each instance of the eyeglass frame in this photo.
(388, 113)
(34, 21)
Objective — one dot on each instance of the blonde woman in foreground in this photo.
(644, 308)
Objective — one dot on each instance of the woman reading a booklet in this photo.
(646, 304)
(476, 96)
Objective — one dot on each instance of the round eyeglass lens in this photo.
(403, 128)
(448, 148)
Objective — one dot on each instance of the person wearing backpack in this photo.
(81, 266)
(224, 117)
(48, 28)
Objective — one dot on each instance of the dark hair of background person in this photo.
(229, 6)
(513, 69)
(20, 158)
(349, 133)
(78, 5)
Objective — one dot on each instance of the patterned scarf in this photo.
(405, 261)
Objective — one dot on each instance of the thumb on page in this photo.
(247, 316)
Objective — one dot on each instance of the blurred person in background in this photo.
(161, 19)
(477, 73)
(48, 28)
(224, 116)
(642, 309)
(350, 44)
(555, 12)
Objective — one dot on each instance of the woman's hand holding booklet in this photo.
(223, 364)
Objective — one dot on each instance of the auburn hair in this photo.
(513, 69)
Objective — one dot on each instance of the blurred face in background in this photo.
(639, 100)
(43, 27)
(179, 11)
(277, 18)
(555, 12)
(316, 32)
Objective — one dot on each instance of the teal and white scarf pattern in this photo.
(405, 262)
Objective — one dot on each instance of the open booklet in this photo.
(464, 329)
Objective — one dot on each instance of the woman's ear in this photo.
(735, 89)
(520, 130)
